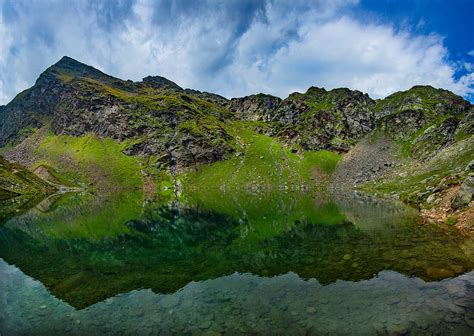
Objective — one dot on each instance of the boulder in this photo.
(464, 195)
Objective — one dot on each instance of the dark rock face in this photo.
(433, 102)
(403, 124)
(320, 119)
(158, 82)
(417, 108)
(435, 138)
(424, 117)
(466, 126)
(260, 107)
(317, 119)
(208, 97)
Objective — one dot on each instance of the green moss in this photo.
(317, 105)
(451, 220)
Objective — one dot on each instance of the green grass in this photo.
(87, 216)
(89, 159)
(263, 163)
(450, 220)
(263, 183)
(15, 179)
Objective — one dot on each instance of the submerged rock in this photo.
(436, 273)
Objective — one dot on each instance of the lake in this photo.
(272, 263)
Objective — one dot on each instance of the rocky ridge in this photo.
(186, 127)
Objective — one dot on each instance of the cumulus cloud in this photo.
(343, 52)
(230, 47)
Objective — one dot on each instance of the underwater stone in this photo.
(169, 302)
(465, 302)
(457, 268)
(346, 257)
(311, 310)
(434, 272)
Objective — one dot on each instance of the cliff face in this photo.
(317, 119)
(260, 107)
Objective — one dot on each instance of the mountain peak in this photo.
(69, 64)
(72, 68)
(159, 82)
(68, 60)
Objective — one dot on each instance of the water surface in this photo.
(267, 263)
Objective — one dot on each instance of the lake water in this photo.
(243, 263)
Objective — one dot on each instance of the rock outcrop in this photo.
(260, 107)
(316, 119)
(465, 193)
(424, 118)
(320, 119)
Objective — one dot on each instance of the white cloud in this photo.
(344, 52)
(471, 53)
(276, 48)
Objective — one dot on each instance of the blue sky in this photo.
(241, 47)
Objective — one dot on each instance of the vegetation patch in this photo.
(90, 159)
(261, 163)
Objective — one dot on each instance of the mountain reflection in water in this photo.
(349, 264)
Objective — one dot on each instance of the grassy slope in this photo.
(266, 185)
(20, 189)
(263, 163)
(102, 169)
(85, 216)
(89, 159)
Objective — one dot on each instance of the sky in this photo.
(241, 47)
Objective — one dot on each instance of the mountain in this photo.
(156, 116)
(188, 127)
(316, 119)
(95, 129)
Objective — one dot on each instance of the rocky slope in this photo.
(420, 152)
(316, 119)
(156, 116)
